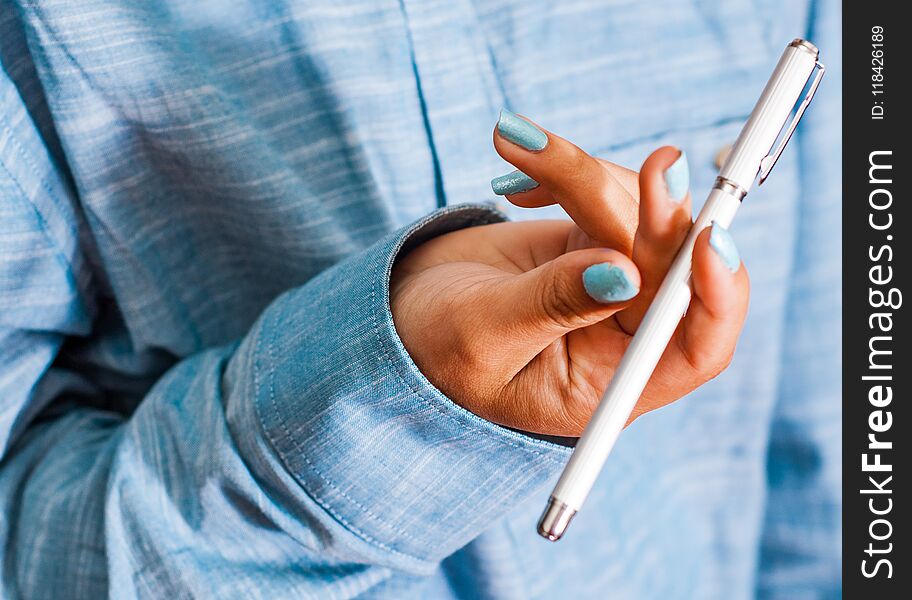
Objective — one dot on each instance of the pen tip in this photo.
(555, 520)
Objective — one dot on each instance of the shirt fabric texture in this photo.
(202, 393)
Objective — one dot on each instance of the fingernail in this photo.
(677, 178)
(513, 183)
(521, 132)
(724, 245)
(606, 283)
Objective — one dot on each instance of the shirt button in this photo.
(722, 155)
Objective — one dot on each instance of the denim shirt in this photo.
(202, 393)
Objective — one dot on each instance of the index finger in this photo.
(587, 188)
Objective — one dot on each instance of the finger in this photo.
(583, 185)
(664, 222)
(710, 328)
(523, 191)
(574, 290)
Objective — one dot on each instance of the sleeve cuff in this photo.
(363, 432)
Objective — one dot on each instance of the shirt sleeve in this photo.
(309, 459)
(800, 553)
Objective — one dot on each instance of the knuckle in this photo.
(726, 362)
(580, 160)
(706, 364)
(558, 302)
(710, 365)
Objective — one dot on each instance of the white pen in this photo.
(751, 155)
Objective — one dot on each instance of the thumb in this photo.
(574, 290)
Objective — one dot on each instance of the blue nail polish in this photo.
(724, 245)
(513, 183)
(677, 178)
(606, 283)
(521, 132)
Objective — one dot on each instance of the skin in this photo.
(497, 316)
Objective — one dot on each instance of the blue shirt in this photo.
(202, 393)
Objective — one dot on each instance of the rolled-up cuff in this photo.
(362, 430)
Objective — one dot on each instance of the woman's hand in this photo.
(524, 323)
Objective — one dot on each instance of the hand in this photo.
(524, 323)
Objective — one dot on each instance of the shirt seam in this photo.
(59, 254)
(297, 445)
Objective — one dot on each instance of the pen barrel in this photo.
(772, 110)
(640, 359)
(750, 156)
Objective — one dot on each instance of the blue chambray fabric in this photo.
(202, 393)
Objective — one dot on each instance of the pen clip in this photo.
(769, 161)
